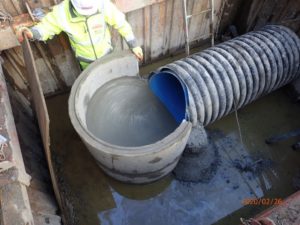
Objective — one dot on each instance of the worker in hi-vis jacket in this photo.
(86, 24)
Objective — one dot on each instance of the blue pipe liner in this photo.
(172, 92)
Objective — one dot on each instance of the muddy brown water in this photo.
(94, 198)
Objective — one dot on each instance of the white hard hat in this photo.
(86, 7)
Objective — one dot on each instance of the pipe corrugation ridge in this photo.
(238, 71)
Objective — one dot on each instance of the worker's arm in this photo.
(48, 27)
(117, 20)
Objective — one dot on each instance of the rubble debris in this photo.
(255, 165)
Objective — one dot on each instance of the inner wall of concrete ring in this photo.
(129, 164)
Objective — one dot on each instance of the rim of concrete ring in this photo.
(98, 143)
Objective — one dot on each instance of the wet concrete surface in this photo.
(119, 112)
(200, 159)
(94, 198)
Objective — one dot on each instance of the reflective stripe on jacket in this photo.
(89, 36)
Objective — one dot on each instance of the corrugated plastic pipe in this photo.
(235, 72)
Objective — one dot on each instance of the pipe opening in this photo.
(171, 92)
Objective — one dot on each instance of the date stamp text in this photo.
(262, 201)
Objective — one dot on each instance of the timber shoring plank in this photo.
(157, 29)
(168, 26)
(132, 5)
(41, 113)
(177, 31)
(14, 202)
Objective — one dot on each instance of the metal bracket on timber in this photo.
(40, 108)
(15, 207)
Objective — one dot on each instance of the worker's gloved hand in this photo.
(138, 51)
(23, 30)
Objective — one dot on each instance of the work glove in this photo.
(23, 30)
(138, 53)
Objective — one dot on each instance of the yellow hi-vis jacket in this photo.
(89, 36)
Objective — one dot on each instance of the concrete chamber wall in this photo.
(136, 163)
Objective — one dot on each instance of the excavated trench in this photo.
(92, 197)
(138, 136)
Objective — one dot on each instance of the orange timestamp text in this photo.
(262, 201)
